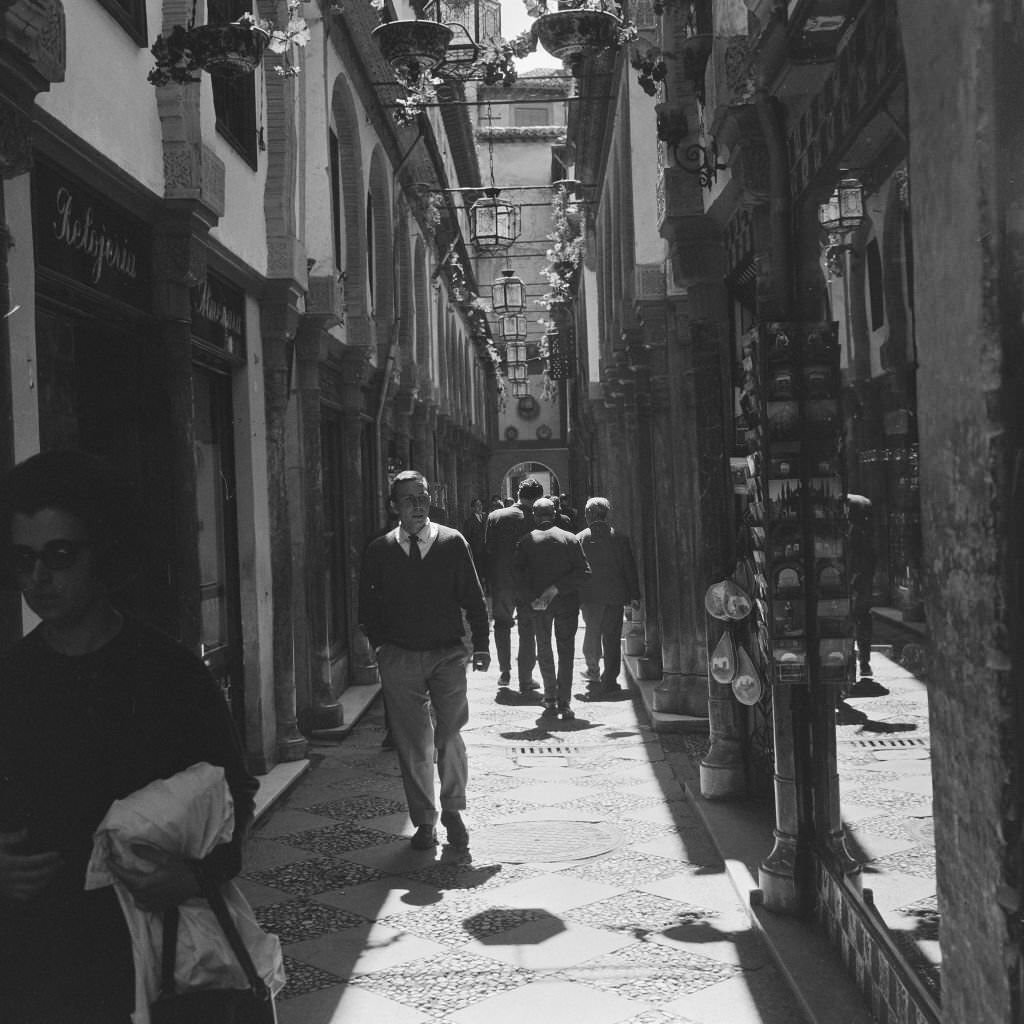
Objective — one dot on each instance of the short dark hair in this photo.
(86, 487)
(530, 489)
(403, 477)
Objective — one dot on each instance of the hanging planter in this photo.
(227, 51)
(413, 47)
(571, 35)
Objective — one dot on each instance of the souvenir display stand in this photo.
(796, 514)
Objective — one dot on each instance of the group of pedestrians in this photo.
(421, 581)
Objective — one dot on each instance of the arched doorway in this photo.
(516, 474)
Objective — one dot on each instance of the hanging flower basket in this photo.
(574, 34)
(412, 47)
(229, 50)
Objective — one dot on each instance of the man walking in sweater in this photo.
(551, 566)
(415, 583)
(613, 582)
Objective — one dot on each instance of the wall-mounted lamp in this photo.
(840, 215)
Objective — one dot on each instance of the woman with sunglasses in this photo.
(95, 705)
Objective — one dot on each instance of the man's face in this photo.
(412, 505)
(61, 596)
(477, 506)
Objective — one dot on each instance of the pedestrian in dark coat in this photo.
(97, 705)
(551, 565)
(415, 584)
(473, 529)
(613, 582)
(505, 526)
(862, 559)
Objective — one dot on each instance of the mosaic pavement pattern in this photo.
(885, 784)
(620, 913)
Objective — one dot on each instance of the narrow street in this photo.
(592, 891)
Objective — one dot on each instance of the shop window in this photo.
(234, 99)
(131, 16)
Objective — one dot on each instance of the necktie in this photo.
(414, 547)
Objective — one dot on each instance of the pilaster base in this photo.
(293, 747)
(679, 694)
(778, 878)
(723, 775)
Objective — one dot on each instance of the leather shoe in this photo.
(866, 687)
(456, 829)
(530, 686)
(425, 838)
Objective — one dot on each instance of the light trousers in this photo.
(413, 682)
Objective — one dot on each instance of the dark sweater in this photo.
(418, 605)
(76, 734)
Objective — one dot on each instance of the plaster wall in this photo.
(955, 224)
(98, 104)
(642, 157)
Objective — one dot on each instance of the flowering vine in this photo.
(565, 255)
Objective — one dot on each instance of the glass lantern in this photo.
(508, 294)
(515, 352)
(844, 210)
(512, 328)
(493, 223)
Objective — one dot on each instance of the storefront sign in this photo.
(218, 314)
(81, 235)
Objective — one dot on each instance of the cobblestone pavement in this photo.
(591, 892)
(885, 786)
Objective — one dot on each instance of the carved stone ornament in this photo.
(15, 141)
(35, 30)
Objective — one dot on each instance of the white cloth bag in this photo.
(187, 815)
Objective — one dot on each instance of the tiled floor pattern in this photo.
(886, 792)
(591, 892)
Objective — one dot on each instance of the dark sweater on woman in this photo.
(418, 605)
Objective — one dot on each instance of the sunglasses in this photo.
(56, 555)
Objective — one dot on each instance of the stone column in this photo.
(279, 321)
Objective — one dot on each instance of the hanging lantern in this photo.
(512, 328)
(844, 210)
(518, 371)
(515, 352)
(493, 223)
(519, 388)
(508, 294)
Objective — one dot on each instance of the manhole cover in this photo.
(889, 742)
(525, 842)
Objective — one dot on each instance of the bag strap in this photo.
(211, 891)
(167, 953)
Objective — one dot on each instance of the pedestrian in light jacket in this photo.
(613, 582)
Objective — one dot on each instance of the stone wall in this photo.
(957, 209)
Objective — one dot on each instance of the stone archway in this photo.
(517, 473)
